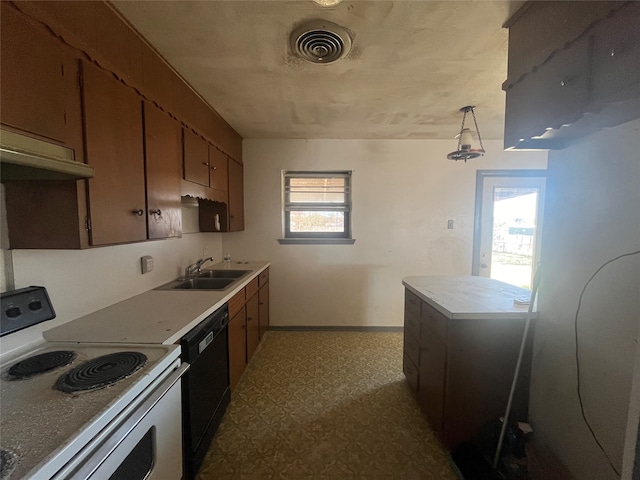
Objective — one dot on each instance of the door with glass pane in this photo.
(508, 229)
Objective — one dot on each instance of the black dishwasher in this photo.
(205, 387)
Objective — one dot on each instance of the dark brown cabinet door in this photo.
(218, 169)
(33, 77)
(196, 158)
(431, 383)
(113, 133)
(253, 326)
(263, 298)
(236, 197)
(616, 56)
(237, 347)
(163, 171)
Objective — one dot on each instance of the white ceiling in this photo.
(412, 66)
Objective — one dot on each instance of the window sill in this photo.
(317, 241)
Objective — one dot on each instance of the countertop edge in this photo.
(483, 315)
(80, 330)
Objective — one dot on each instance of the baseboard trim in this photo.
(337, 329)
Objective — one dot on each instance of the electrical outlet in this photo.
(450, 224)
(207, 251)
(147, 263)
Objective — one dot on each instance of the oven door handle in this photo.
(109, 438)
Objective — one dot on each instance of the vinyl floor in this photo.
(325, 405)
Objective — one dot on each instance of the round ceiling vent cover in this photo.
(320, 41)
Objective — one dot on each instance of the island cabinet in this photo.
(462, 336)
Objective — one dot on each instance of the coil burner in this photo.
(101, 371)
(42, 363)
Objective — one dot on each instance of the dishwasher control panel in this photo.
(23, 308)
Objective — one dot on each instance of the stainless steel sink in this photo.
(223, 273)
(198, 283)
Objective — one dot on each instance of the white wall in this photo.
(404, 191)
(83, 281)
(592, 215)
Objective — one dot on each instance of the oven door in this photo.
(144, 444)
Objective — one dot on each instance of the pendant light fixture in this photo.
(469, 140)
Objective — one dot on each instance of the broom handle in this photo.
(534, 292)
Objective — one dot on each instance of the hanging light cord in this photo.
(575, 326)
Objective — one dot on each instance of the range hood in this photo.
(26, 158)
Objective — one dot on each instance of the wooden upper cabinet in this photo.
(114, 146)
(236, 197)
(616, 56)
(196, 158)
(218, 169)
(39, 81)
(572, 71)
(163, 167)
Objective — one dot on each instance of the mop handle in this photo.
(534, 292)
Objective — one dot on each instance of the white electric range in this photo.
(90, 410)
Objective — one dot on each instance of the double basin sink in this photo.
(206, 280)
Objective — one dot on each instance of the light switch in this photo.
(450, 224)
(147, 263)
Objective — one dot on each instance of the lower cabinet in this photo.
(461, 370)
(249, 314)
(237, 338)
(253, 326)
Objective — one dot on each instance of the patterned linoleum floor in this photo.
(325, 405)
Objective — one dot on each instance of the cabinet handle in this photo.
(205, 163)
(213, 167)
(156, 212)
(139, 212)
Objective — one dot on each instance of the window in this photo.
(317, 207)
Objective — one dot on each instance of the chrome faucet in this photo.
(201, 262)
(196, 267)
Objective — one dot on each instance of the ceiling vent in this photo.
(320, 41)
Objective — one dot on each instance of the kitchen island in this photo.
(461, 341)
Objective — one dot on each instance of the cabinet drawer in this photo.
(412, 324)
(252, 288)
(411, 303)
(412, 347)
(263, 277)
(236, 303)
(432, 376)
(411, 372)
(433, 323)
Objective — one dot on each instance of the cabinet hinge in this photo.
(87, 223)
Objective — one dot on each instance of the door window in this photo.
(508, 225)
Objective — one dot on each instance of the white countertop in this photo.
(156, 316)
(469, 297)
